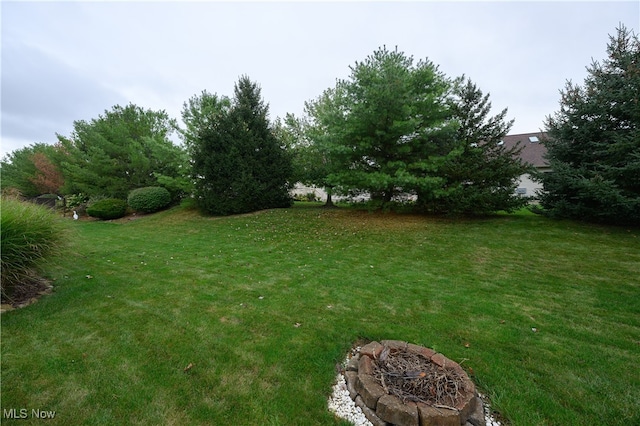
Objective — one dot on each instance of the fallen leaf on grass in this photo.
(297, 325)
(467, 345)
(188, 367)
(89, 276)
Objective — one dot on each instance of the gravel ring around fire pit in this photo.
(362, 400)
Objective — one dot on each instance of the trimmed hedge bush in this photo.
(108, 208)
(30, 234)
(149, 199)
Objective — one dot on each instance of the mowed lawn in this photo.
(179, 319)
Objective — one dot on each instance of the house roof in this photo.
(533, 151)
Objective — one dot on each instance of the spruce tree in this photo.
(265, 168)
(238, 163)
(483, 177)
(594, 141)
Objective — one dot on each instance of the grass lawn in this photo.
(262, 307)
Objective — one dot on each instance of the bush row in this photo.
(146, 200)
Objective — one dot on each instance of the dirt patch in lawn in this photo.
(29, 290)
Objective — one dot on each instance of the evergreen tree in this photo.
(124, 149)
(385, 127)
(484, 176)
(238, 163)
(594, 141)
(396, 128)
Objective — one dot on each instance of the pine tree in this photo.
(384, 127)
(594, 141)
(124, 149)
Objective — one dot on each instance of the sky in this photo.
(68, 61)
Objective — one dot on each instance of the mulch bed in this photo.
(28, 291)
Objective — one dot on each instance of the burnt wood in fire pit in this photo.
(402, 384)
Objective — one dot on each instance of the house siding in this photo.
(533, 153)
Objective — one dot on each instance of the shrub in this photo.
(30, 234)
(108, 208)
(77, 203)
(149, 199)
(74, 201)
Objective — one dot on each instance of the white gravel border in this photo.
(341, 404)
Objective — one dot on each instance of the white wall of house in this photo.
(303, 190)
(527, 186)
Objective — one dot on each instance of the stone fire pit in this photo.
(398, 383)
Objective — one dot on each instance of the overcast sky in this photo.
(67, 61)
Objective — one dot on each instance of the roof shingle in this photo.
(533, 152)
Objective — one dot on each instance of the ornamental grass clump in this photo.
(31, 234)
(149, 199)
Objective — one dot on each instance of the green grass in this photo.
(138, 301)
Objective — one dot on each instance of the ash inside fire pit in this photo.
(413, 377)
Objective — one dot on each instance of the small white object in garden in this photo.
(75, 215)
(261, 297)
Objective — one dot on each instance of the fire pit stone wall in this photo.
(384, 409)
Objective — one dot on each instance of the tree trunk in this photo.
(329, 203)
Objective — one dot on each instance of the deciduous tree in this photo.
(48, 179)
(306, 140)
(32, 170)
